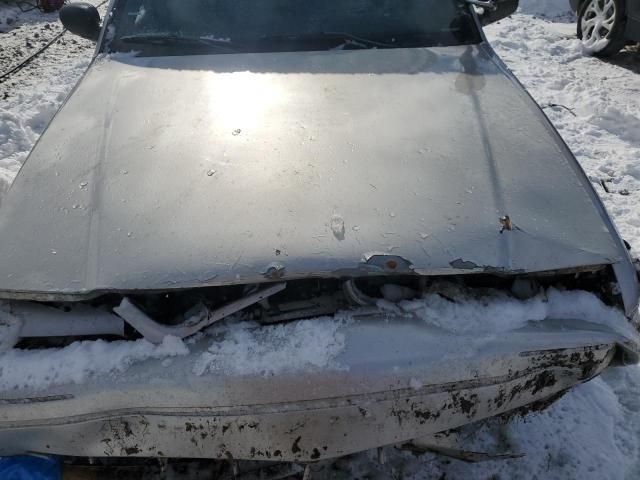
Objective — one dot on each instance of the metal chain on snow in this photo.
(31, 57)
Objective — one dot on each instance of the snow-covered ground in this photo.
(593, 431)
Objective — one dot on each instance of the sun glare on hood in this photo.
(245, 97)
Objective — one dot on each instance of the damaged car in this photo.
(291, 231)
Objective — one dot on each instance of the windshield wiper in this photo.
(348, 39)
(171, 39)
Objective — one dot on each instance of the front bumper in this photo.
(396, 380)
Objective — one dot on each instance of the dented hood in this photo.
(174, 172)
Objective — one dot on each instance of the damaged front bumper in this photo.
(387, 385)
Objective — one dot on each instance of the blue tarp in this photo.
(30, 468)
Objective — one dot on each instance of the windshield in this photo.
(230, 26)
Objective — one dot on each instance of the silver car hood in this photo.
(175, 172)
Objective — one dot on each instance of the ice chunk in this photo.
(78, 362)
(295, 346)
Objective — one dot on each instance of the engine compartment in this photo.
(275, 303)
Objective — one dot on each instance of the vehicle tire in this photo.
(601, 26)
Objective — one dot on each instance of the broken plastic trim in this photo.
(40, 321)
(155, 332)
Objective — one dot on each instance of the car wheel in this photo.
(601, 26)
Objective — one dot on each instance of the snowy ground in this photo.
(594, 431)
